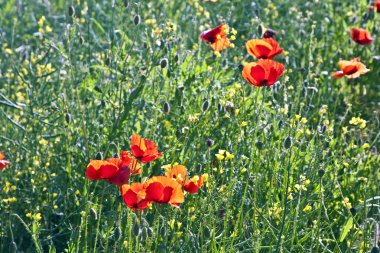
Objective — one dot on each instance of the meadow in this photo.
(290, 164)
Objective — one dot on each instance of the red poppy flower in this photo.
(361, 36)
(134, 196)
(217, 37)
(161, 189)
(263, 72)
(350, 69)
(266, 48)
(375, 5)
(3, 163)
(98, 169)
(114, 170)
(144, 150)
(193, 185)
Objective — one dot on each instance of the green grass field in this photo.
(78, 78)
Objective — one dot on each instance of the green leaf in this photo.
(346, 229)
(9, 5)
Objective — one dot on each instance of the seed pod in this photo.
(209, 142)
(164, 63)
(162, 248)
(206, 105)
(269, 33)
(137, 19)
(99, 156)
(166, 107)
(288, 142)
(259, 145)
(71, 11)
(260, 29)
(68, 118)
(321, 172)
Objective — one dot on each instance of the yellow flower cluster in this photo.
(224, 155)
(36, 217)
(357, 121)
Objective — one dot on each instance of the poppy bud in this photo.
(221, 108)
(126, 4)
(321, 172)
(323, 129)
(260, 29)
(280, 123)
(269, 33)
(209, 142)
(241, 67)
(176, 58)
(353, 210)
(205, 105)
(137, 19)
(162, 249)
(99, 156)
(63, 96)
(81, 40)
(144, 234)
(166, 107)
(288, 142)
(375, 249)
(259, 145)
(68, 118)
(163, 63)
(71, 11)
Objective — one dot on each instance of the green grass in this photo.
(80, 91)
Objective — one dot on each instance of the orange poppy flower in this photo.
(361, 36)
(177, 172)
(350, 69)
(161, 189)
(114, 170)
(375, 5)
(266, 48)
(263, 72)
(144, 150)
(134, 196)
(217, 37)
(193, 185)
(3, 163)
(98, 169)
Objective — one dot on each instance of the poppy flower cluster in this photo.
(354, 68)
(3, 163)
(166, 189)
(158, 189)
(264, 72)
